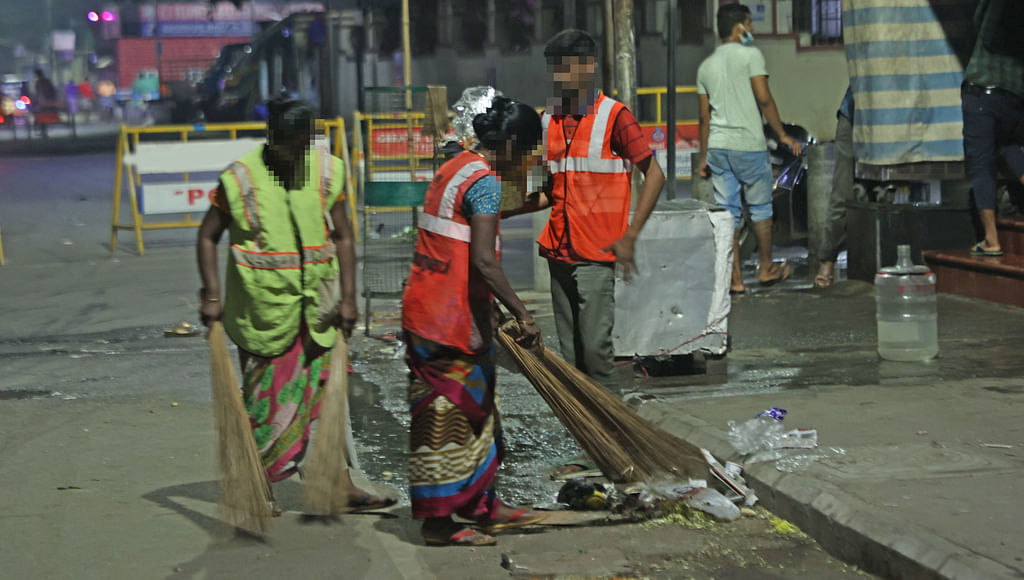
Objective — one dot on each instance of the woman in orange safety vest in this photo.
(448, 317)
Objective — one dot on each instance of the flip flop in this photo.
(784, 273)
(466, 537)
(737, 292)
(518, 519)
(822, 281)
(978, 250)
(369, 503)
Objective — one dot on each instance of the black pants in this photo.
(990, 123)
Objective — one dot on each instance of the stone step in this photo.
(999, 279)
(1011, 234)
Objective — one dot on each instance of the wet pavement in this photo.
(96, 455)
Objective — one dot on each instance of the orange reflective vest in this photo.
(590, 198)
(446, 299)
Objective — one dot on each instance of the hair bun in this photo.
(489, 126)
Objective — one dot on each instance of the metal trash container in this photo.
(678, 301)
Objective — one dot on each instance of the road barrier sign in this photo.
(179, 176)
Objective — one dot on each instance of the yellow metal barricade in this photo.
(138, 156)
(395, 158)
(650, 127)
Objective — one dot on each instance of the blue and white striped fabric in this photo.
(906, 76)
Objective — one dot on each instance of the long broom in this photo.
(325, 489)
(244, 489)
(626, 447)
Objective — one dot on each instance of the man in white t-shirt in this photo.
(732, 86)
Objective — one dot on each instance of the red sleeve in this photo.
(628, 139)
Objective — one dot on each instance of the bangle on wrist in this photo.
(203, 295)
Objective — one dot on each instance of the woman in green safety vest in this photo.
(284, 296)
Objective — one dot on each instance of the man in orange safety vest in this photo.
(591, 145)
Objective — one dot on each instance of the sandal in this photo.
(783, 272)
(275, 509)
(370, 503)
(822, 281)
(979, 250)
(464, 537)
(518, 519)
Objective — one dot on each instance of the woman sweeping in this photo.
(448, 317)
(284, 292)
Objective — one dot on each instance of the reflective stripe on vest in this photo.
(590, 164)
(281, 260)
(451, 191)
(317, 254)
(265, 260)
(593, 162)
(449, 229)
(244, 178)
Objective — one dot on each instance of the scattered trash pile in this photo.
(764, 438)
(694, 499)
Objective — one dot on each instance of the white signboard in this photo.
(684, 167)
(163, 198)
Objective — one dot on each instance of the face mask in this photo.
(747, 38)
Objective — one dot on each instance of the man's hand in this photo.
(703, 170)
(623, 251)
(346, 317)
(210, 311)
(793, 144)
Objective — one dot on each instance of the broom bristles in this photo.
(325, 489)
(624, 446)
(244, 489)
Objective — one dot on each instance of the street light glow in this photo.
(92, 16)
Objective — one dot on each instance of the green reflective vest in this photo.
(282, 267)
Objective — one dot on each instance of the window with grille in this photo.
(651, 17)
(821, 19)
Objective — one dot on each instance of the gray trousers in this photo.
(583, 297)
(834, 233)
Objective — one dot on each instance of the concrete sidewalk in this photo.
(922, 461)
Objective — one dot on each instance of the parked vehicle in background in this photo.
(15, 101)
(211, 86)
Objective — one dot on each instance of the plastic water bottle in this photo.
(906, 311)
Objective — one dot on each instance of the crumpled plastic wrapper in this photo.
(474, 100)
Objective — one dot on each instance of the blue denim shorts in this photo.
(746, 171)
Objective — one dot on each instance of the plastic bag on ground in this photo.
(714, 504)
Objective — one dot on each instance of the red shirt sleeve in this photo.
(628, 139)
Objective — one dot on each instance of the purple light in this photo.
(92, 16)
(109, 16)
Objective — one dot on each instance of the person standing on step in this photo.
(834, 233)
(993, 109)
(733, 93)
(591, 145)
